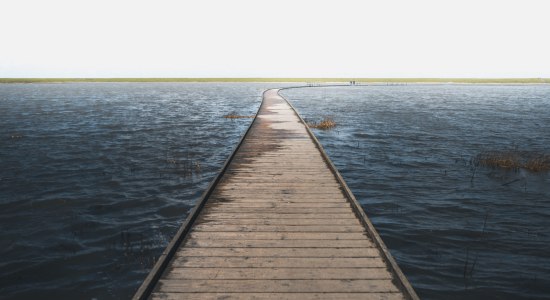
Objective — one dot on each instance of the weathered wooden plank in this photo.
(294, 196)
(278, 175)
(275, 169)
(254, 155)
(300, 210)
(280, 200)
(281, 180)
(277, 296)
(364, 243)
(269, 174)
(303, 148)
(279, 235)
(303, 154)
(277, 188)
(240, 215)
(236, 195)
(276, 160)
(274, 165)
(276, 193)
(303, 188)
(275, 155)
(214, 221)
(278, 262)
(277, 273)
(259, 167)
(279, 252)
(272, 204)
(253, 152)
(273, 286)
(278, 185)
(254, 220)
(299, 136)
(276, 228)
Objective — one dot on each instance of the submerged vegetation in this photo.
(183, 167)
(235, 115)
(325, 124)
(514, 160)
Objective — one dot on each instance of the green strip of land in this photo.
(308, 80)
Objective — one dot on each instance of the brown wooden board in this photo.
(277, 296)
(271, 286)
(242, 243)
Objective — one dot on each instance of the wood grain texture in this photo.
(291, 222)
(278, 252)
(279, 273)
(209, 243)
(277, 296)
(276, 262)
(274, 286)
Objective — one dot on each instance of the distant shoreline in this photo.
(293, 80)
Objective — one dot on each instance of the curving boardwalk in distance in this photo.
(277, 223)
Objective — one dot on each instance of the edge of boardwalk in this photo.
(166, 256)
(402, 280)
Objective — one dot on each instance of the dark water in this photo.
(96, 178)
(405, 152)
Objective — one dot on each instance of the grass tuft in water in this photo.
(234, 115)
(515, 160)
(325, 124)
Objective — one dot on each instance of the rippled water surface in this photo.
(458, 231)
(96, 178)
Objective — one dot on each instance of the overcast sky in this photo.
(268, 38)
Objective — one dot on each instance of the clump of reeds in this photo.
(183, 167)
(325, 124)
(234, 115)
(538, 164)
(499, 159)
(515, 160)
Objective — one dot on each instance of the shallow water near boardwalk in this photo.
(457, 230)
(96, 178)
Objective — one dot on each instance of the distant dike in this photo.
(291, 80)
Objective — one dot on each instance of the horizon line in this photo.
(282, 79)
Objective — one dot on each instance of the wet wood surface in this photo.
(277, 226)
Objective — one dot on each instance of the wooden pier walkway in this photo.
(277, 223)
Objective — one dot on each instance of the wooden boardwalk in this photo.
(277, 223)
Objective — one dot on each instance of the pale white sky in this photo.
(268, 38)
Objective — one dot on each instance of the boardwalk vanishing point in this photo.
(278, 222)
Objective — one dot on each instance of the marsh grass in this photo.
(514, 160)
(135, 248)
(185, 168)
(326, 124)
(234, 115)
